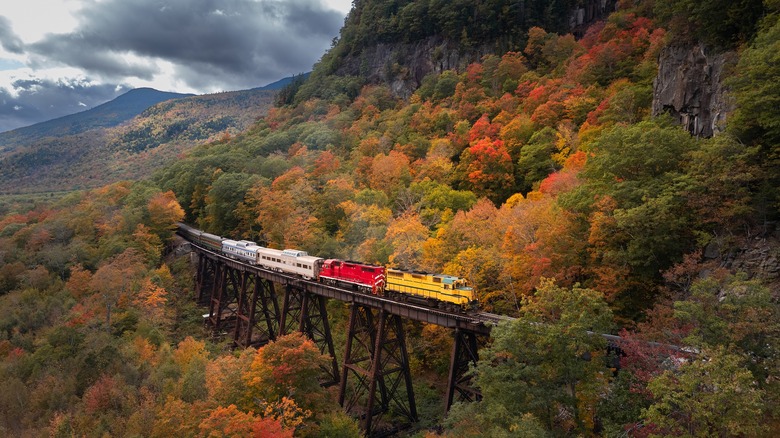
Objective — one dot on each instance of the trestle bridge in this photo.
(253, 306)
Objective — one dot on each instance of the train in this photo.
(442, 291)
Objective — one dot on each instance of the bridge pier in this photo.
(307, 313)
(257, 318)
(464, 354)
(204, 279)
(377, 358)
(223, 305)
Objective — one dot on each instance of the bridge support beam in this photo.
(377, 359)
(464, 354)
(307, 313)
(204, 279)
(223, 305)
(257, 318)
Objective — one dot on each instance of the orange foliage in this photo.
(559, 182)
(105, 394)
(289, 365)
(406, 234)
(78, 283)
(147, 352)
(81, 314)
(164, 212)
(324, 164)
(224, 378)
(152, 299)
(231, 422)
(389, 172)
(289, 178)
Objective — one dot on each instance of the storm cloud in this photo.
(205, 45)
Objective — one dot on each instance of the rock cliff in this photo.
(403, 65)
(689, 86)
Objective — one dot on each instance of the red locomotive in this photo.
(366, 278)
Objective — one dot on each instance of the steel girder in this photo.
(377, 359)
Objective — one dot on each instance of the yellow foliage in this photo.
(514, 200)
(188, 351)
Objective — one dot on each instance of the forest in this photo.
(538, 173)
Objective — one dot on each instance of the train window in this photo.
(436, 280)
(371, 270)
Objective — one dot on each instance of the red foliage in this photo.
(558, 182)
(326, 163)
(482, 128)
(474, 72)
(102, 395)
(231, 422)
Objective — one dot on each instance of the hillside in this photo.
(619, 177)
(122, 139)
(109, 114)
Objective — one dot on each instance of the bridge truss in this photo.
(375, 382)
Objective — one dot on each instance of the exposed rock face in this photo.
(403, 66)
(689, 86)
(757, 256)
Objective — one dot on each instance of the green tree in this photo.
(224, 196)
(548, 363)
(712, 395)
(724, 23)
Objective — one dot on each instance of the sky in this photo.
(58, 57)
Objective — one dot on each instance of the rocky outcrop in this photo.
(758, 257)
(689, 86)
(403, 66)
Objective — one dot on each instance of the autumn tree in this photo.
(546, 367)
(114, 280)
(230, 422)
(406, 235)
(191, 357)
(633, 194)
(390, 172)
(712, 395)
(164, 212)
(288, 367)
(486, 169)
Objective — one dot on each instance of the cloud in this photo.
(197, 46)
(8, 39)
(230, 44)
(44, 99)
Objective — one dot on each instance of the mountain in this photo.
(400, 42)
(123, 139)
(109, 114)
(281, 83)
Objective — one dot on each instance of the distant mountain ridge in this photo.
(281, 83)
(123, 139)
(106, 115)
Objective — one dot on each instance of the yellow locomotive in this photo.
(435, 290)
